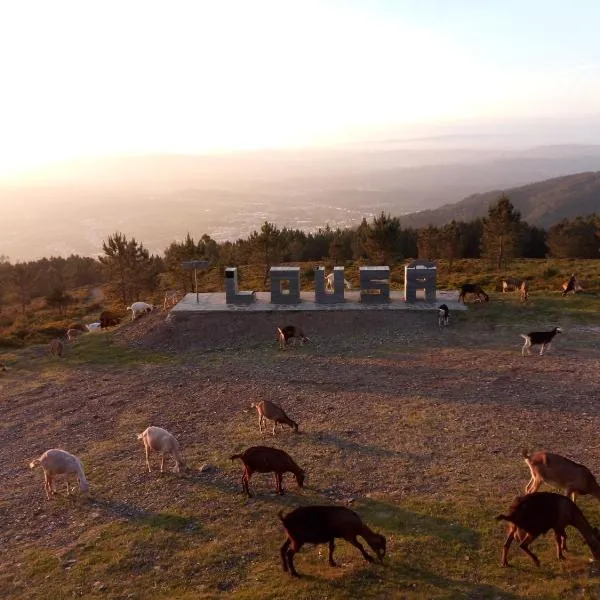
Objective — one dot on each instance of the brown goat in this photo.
(321, 525)
(285, 334)
(524, 291)
(560, 472)
(262, 459)
(535, 514)
(57, 348)
(109, 319)
(269, 410)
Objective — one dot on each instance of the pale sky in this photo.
(82, 78)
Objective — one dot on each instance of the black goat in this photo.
(321, 525)
(538, 337)
(443, 314)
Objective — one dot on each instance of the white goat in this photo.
(59, 463)
(73, 333)
(140, 308)
(329, 282)
(160, 440)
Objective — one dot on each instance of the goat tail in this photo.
(525, 337)
(140, 436)
(34, 463)
(234, 456)
(280, 515)
(525, 454)
(502, 518)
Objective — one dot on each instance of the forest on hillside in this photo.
(130, 272)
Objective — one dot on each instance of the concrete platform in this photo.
(215, 302)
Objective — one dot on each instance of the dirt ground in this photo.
(390, 409)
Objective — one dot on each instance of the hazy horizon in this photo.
(194, 77)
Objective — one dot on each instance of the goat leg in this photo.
(507, 543)
(559, 536)
(283, 551)
(331, 549)
(245, 480)
(524, 545)
(290, 558)
(358, 545)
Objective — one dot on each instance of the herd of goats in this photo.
(529, 516)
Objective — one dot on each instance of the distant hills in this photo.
(542, 204)
(73, 207)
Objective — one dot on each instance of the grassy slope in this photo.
(434, 495)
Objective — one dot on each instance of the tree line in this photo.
(131, 271)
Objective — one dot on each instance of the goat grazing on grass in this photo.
(285, 334)
(511, 282)
(543, 338)
(109, 319)
(72, 334)
(139, 308)
(533, 515)
(472, 288)
(59, 463)
(571, 285)
(262, 459)
(321, 525)
(57, 348)
(443, 315)
(160, 440)
(560, 472)
(269, 410)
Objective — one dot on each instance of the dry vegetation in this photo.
(419, 430)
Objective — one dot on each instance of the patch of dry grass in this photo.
(419, 430)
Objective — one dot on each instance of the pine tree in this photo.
(500, 241)
(383, 243)
(266, 246)
(128, 265)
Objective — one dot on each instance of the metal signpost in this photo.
(194, 265)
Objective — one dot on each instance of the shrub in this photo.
(550, 272)
(308, 273)
(6, 320)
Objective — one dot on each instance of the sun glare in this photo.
(118, 77)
